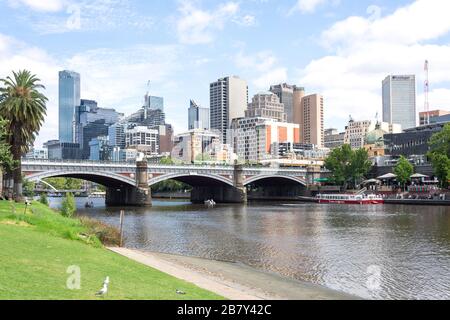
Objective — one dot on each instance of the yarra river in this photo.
(374, 252)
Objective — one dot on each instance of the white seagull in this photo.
(180, 292)
(104, 290)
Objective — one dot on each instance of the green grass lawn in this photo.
(36, 249)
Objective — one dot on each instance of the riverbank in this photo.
(231, 280)
(40, 247)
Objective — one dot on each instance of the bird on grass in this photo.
(104, 290)
(180, 292)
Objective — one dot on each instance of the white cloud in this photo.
(310, 6)
(61, 16)
(364, 50)
(103, 75)
(198, 26)
(16, 55)
(40, 5)
(263, 67)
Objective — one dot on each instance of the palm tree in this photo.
(24, 107)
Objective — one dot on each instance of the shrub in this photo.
(68, 206)
(44, 200)
(108, 235)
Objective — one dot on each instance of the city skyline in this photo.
(189, 53)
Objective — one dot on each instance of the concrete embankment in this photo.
(418, 202)
(231, 280)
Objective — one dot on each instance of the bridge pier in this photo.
(139, 196)
(222, 193)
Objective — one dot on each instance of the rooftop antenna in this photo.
(427, 94)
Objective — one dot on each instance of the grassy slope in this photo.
(36, 250)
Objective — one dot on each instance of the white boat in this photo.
(350, 199)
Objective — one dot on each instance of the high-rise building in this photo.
(199, 117)
(143, 140)
(399, 100)
(228, 101)
(154, 103)
(92, 122)
(266, 105)
(69, 99)
(252, 138)
(311, 119)
(356, 131)
(285, 93)
(116, 135)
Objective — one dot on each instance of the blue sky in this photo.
(340, 48)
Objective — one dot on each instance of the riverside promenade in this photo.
(232, 280)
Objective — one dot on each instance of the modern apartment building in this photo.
(199, 117)
(399, 100)
(142, 139)
(252, 138)
(69, 99)
(228, 101)
(311, 119)
(266, 105)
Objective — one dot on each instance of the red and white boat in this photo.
(350, 199)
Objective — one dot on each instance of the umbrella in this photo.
(419, 176)
(387, 176)
(371, 181)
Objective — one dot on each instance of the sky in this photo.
(342, 49)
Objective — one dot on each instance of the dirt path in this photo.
(231, 280)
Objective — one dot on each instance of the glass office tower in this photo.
(399, 100)
(69, 98)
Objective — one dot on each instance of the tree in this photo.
(404, 170)
(360, 165)
(6, 160)
(28, 188)
(347, 166)
(440, 155)
(441, 166)
(24, 107)
(68, 206)
(166, 161)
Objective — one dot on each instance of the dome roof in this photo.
(376, 136)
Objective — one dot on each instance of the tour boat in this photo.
(350, 198)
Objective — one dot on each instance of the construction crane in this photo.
(427, 93)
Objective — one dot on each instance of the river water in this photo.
(374, 252)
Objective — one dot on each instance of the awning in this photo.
(322, 180)
(387, 176)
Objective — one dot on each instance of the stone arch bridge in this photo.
(130, 183)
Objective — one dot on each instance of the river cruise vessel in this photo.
(350, 198)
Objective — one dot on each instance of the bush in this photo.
(44, 200)
(108, 235)
(68, 207)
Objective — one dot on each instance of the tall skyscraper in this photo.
(228, 101)
(154, 103)
(69, 99)
(198, 117)
(285, 93)
(312, 120)
(399, 100)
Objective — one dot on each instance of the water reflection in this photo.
(332, 245)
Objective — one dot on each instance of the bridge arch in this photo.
(193, 179)
(275, 176)
(107, 179)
